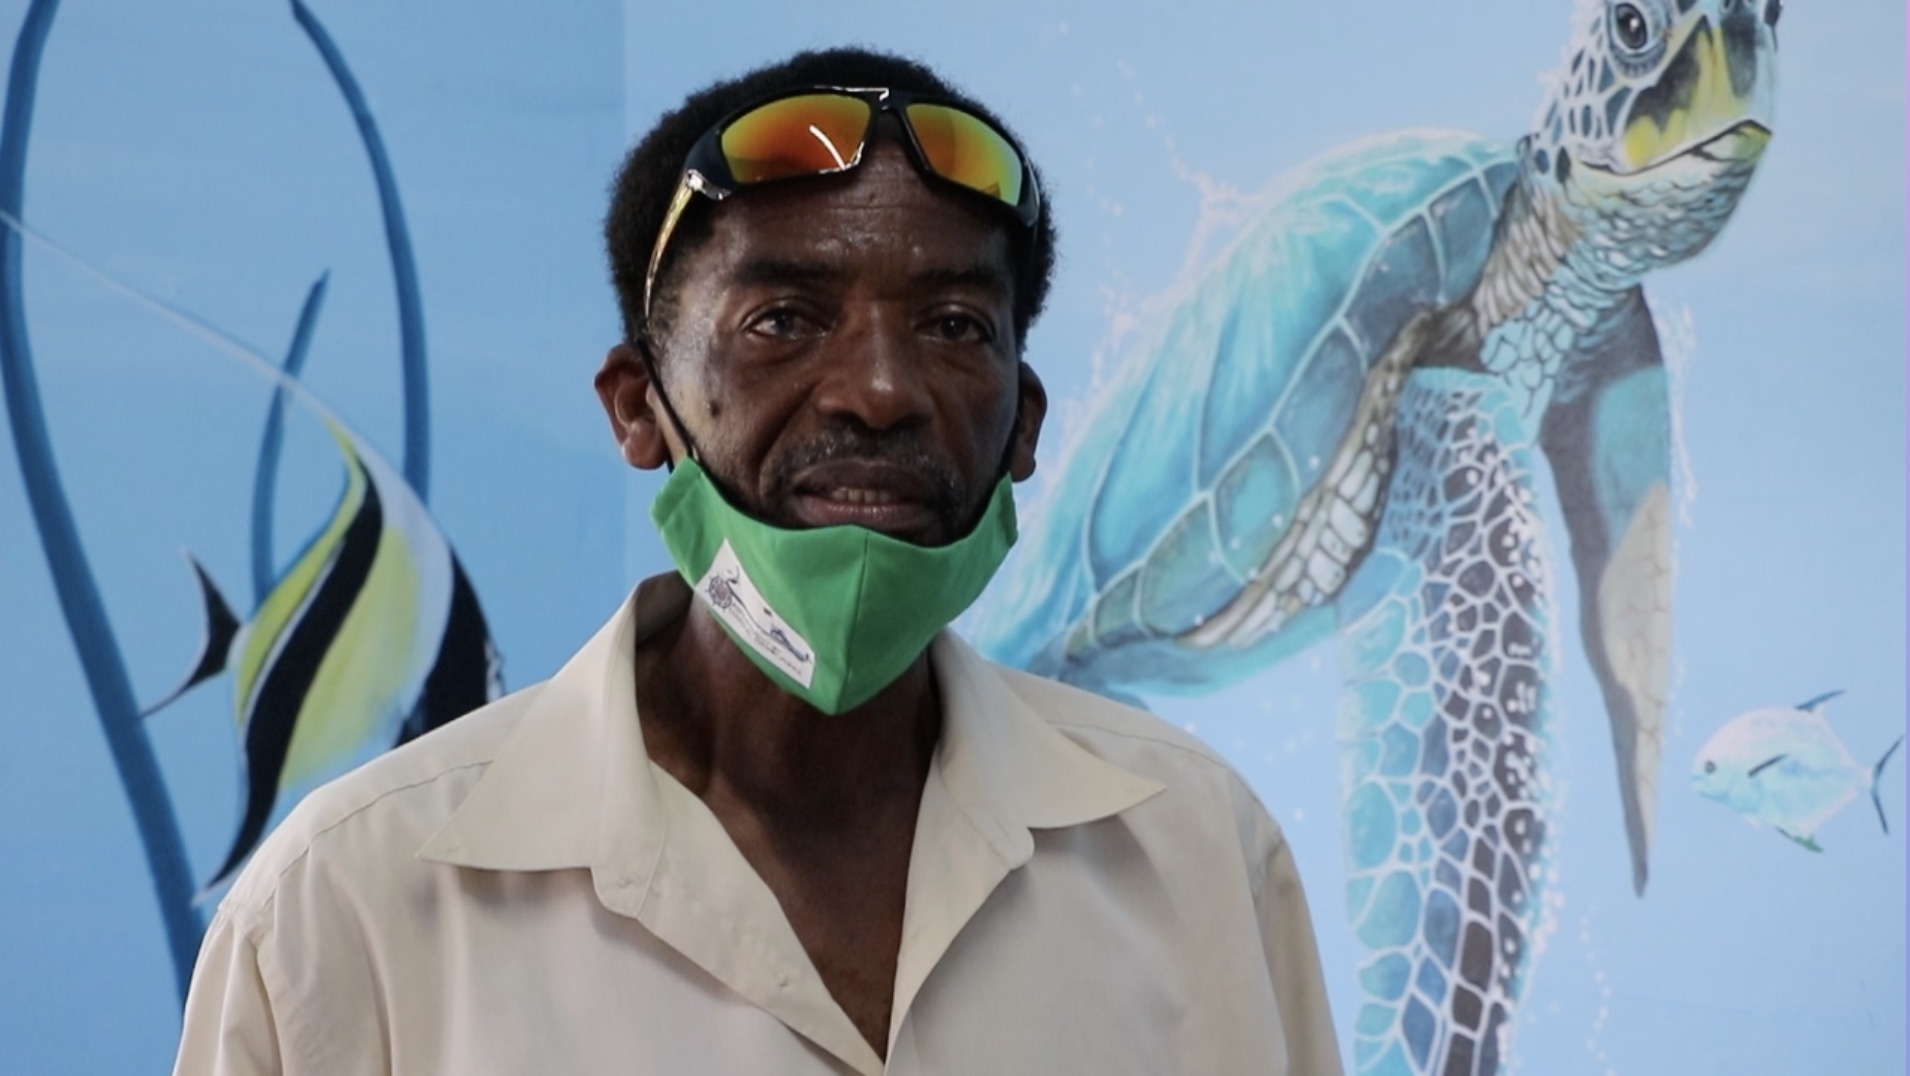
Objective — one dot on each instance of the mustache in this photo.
(903, 448)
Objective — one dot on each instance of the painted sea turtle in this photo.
(1338, 430)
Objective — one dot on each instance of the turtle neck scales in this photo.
(1557, 266)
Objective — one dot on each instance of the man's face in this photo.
(843, 351)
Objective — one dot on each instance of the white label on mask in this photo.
(727, 590)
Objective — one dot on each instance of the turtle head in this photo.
(1658, 119)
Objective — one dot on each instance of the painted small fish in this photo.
(1786, 769)
(372, 636)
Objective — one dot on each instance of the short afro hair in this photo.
(640, 195)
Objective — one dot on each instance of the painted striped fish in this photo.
(372, 636)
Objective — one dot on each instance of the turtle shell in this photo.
(1222, 415)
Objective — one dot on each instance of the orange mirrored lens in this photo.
(796, 136)
(965, 150)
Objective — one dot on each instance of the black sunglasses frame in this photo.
(706, 170)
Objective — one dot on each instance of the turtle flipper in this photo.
(1608, 438)
(1446, 628)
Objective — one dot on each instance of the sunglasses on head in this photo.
(824, 130)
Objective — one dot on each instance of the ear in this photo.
(1028, 418)
(636, 421)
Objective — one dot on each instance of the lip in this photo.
(1742, 142)
(883, 497)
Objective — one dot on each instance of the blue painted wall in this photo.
(202, 153)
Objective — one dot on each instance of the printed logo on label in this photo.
(727, 590)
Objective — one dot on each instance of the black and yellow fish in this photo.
(372, 636)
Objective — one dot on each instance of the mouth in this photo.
(1741, 143)
(883, 497)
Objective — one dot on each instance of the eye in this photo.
(1710, 766)
(1772, 11)
(1630, 27)
(959, 329)
(785, 322)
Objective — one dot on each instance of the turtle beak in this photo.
(1713, 99)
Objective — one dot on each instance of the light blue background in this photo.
(200, 151)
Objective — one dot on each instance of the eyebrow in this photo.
(980, 276)
(769, 271)
(758, 271)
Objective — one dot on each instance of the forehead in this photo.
(881, 217)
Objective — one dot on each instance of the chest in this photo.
(844, 895)
(1057, 970)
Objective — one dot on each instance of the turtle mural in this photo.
(1339, 431)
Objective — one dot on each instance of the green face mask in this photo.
(832, 614)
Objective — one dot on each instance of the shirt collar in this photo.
(572, 786)
(1007, 767)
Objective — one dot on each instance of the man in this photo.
(774, 818)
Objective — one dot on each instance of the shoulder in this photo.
(1200, 785)
(1085, 714)
(1106, 726)
(382, 812)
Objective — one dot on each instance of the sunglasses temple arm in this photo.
(692, 184)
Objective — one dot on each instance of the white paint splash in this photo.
(1678, 340)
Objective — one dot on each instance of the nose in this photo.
(875, 374)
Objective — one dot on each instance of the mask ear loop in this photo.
(1014, 429)
(648, 356)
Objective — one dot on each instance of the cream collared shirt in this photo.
(1090, 891)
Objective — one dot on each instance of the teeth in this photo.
(861, 496)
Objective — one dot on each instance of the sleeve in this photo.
(1293, 961)
(1286, 933)
(231, 1028)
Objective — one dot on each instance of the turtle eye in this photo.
(1710, 766)
(1630, 27)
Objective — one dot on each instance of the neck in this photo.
(713, 721)
(1534, 236)
(1538, 293)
